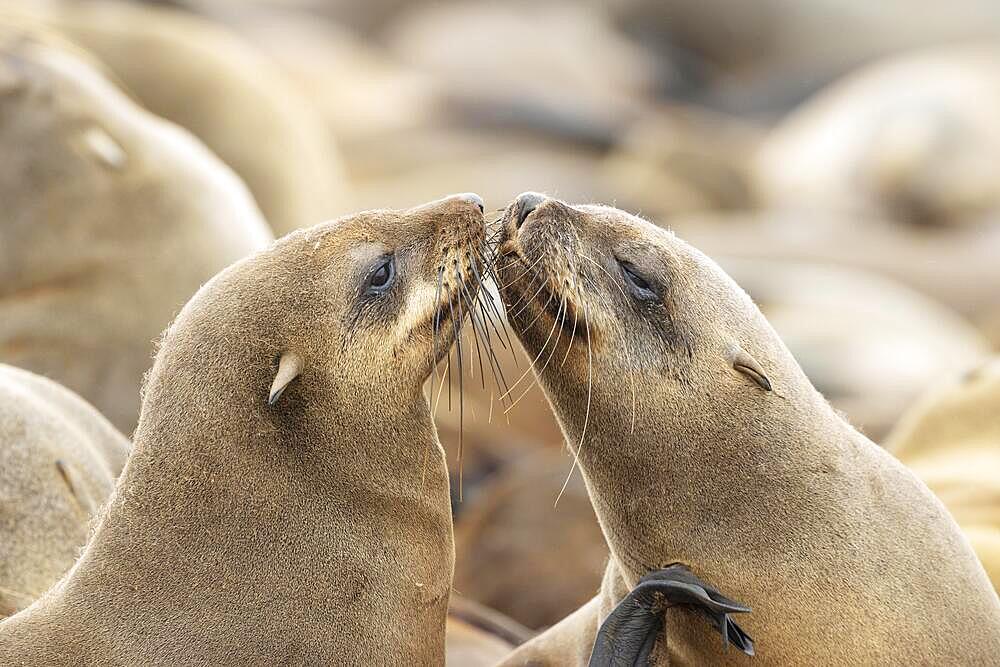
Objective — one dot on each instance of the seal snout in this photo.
(472, 198)
(525, 204)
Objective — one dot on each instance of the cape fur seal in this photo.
(951, 439)
(912, 137)
(111, 220)
(286, 500)
(195, 72)
(703, 445)
(59, 459)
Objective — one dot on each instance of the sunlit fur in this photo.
(950, 439)
(313, 531)
(770, 496)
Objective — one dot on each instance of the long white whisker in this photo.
(586, 419)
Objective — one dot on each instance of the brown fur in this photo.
(208, 80)
(951, 439)
(111, 220)
(59, 460)
(843, 554)
(313, 531)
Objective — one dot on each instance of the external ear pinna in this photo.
(289, 368)
(746, 364)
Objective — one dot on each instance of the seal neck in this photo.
(322, 536)
(704, 482)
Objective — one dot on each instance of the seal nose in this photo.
(473, 198)
(526, 203)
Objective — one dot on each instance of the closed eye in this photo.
(638, 286)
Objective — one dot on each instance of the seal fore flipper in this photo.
(627, 636)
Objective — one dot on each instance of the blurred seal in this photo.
(913, 138)
(951, 439)
(197, 73)
(59, 460)
(111, 220)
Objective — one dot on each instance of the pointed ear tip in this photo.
(289, 368)
(743, 362)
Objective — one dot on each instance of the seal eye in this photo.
(382, 278)
(640, 287)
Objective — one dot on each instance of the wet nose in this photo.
(526, 203)
(473, 198)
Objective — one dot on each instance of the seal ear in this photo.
(746, 364)
(289, 368)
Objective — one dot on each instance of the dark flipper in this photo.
(627, 636)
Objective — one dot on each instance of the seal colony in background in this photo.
(286, 498)
(715, 467)
(193, 72)
(111, 219)
(950, 440)
(59, 459)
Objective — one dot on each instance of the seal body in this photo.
(471, 647)
(902, 138)
(112, 219)
(194, 72)
(703, 444)
(477, 635)
(278, 511)
(59, 459)
(951, 440)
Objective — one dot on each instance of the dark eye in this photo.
(382, 277)
(640, 287)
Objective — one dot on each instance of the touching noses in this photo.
(526, 203)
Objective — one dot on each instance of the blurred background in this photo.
(839, 158)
